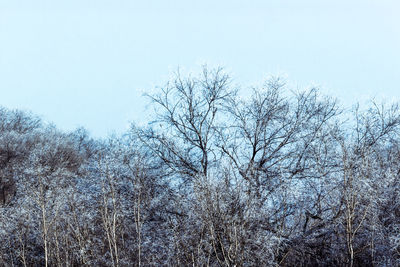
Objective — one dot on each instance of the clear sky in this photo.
(87, 62)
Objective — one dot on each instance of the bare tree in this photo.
(189, 113)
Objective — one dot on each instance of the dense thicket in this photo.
(277, 178)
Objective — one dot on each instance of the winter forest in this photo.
(281, 177)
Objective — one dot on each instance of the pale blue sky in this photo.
(86, 62)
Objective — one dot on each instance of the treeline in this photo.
(279, 178)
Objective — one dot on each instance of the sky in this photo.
(86, 63)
